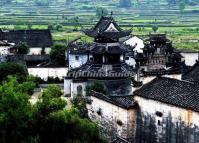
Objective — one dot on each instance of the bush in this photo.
(23, 48)
(96, 86)
(101, 12)
(12, 69)
(57, 53)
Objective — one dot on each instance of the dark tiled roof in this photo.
(158, 37)
(125, 102)
(115, 34)
(192, 75)
(34, 38)
(111, 49)
(78, 48)
(4, 43)
(159, 72)
(102, 25)
(89, 70)
(171, 91)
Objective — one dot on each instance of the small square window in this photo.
(127, 58)
(77, 58)
(159, 123)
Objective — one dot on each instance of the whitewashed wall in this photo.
(74, 86)
(110, 114)
(37, 51)
(148, 106)
(67, 86)
(190, 58)
(44, 73)
(131, 61)
(74, 63)
(4, 51)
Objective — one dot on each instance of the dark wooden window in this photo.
(77, 58)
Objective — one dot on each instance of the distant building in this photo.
(36, 39)
(167, 111)
(5, 50)
(104, 59)
(192, 75)
(121, 67)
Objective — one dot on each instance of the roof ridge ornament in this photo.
(111, 14)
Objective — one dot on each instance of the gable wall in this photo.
(109, 116)
(74, 63)
(175, 125)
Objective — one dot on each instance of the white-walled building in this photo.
(105, 58)
(38, 40)
(5, 50)
(168, 111)
(148, 115)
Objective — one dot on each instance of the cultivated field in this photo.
(66, 20)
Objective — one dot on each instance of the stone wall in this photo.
(163, 123)
(115, 121)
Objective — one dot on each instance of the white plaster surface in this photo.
(75, 63)
(190, 58)
(148, 106)
(135, 41)
(44, 73)
(37, 51)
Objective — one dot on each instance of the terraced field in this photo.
(182, 28)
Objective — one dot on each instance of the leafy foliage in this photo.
(58, 53)
(80, 103)
(96, 86)
(15, 110)
(101, 12)
(12, 69)
(182, 7)
(155, 28)
(23, 48)
(45, 122)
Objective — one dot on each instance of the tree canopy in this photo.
(101, 12)
(12, 69)
(23, 48)
(58, 53)
(47, 121)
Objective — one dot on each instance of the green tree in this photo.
(155, 28)
(58, 27)
(80, 103)
(182, 6)
(57, 53)
(56, 124)
(76, 23)
(50, 26)
(48, 121)
(12, 69)
(96, 86)
(23, 48)
(101, 12)
(15, 111)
